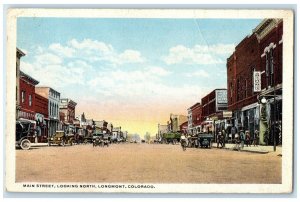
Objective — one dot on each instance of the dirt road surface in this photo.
(145, 163)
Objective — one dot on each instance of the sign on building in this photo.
(256, 81)
(222, 96)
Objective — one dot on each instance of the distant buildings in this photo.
(49, 112)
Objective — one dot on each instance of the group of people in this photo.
(241, 138)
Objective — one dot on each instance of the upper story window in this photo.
(30, 100)
(270, 66)
(23, 96)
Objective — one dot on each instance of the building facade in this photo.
(254, 70)
(195, 118)
(215, 111)
(67, 106)
(53, 107)
(176, 121)
(19, 54)
(41, 117)
(27, 97)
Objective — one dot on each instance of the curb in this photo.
(243, 150)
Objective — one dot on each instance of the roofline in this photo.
(21, 52)
(35, 82)
(49, 88)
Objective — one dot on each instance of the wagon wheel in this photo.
(25, 144)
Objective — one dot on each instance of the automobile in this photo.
(97, 139)
(25, 133)
(61, 138)
(205, 140)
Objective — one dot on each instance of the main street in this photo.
(145, 163)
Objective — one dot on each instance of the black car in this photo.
(25, 133)
(205, 140)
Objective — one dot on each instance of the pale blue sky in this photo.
(167, 63)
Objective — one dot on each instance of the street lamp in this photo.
(263, 100)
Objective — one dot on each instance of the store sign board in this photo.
(221, 96)
(256, 81)
(227, 114)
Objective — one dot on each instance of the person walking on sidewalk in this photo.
(219, 141)
(248, 141)
(242, 138)
(256, 138)
(224, 137)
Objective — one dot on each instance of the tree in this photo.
(147, 136)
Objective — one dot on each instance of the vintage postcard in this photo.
(149, 101)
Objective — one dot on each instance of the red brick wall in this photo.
(41, 105)
(240, 67)
(197, 115)
(29, 89)
(208, 106)
(272, 37)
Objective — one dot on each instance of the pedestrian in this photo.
(237, 141)
(224, 136)
(242, 138)
(248, 141)
(256, 138)
(219, 139)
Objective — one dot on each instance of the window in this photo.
(270, 67)
(23, 96)
(246, 88)
(30, 100)
(50, 108)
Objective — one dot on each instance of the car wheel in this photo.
(25, 144)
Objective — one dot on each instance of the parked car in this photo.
(205, 140)
(61, 138)
(25, 133)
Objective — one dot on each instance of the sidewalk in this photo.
(253, 149)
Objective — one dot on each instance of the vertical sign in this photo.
(256, 81)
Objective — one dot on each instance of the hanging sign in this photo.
(256, 81)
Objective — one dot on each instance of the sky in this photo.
(130, 72)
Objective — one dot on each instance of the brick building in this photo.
(53, 107)
(67, 106)
(27, 97)
(260, 55)
(183, 128)
(195, 118)
(41, 117)
(214, 111)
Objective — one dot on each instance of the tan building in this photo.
(161, 130)
(67, 106)
(176, 121)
